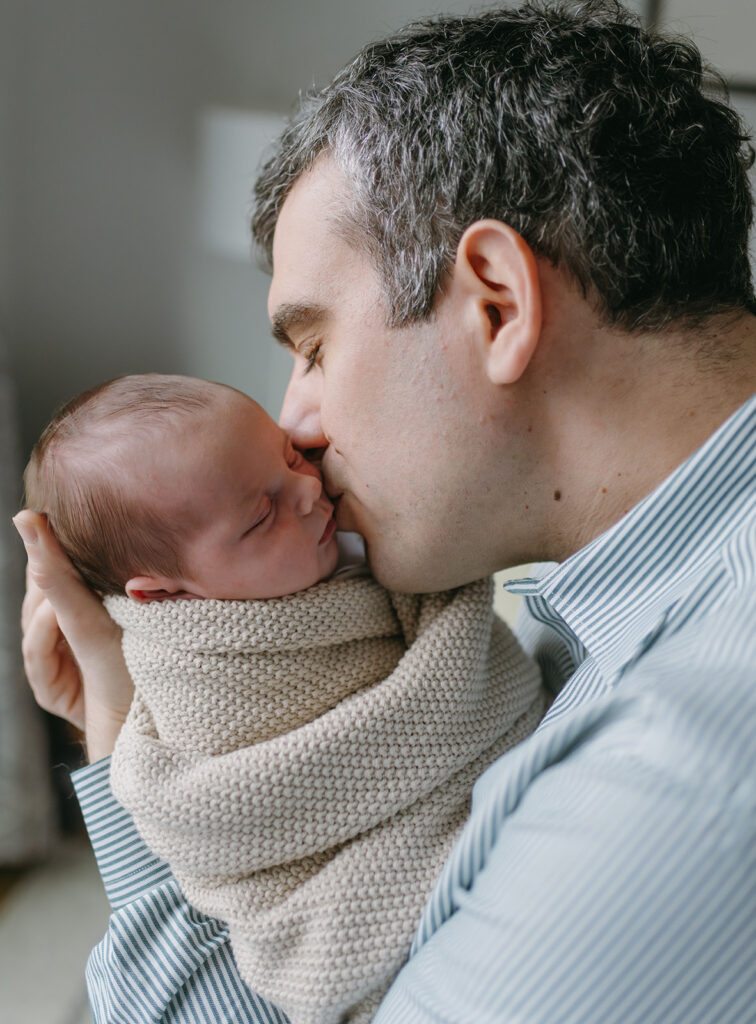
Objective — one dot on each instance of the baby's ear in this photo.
(155, 588)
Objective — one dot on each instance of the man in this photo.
(510, 257)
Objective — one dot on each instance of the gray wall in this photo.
(7, 152)
(101, 268)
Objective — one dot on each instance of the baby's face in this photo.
(254, 520)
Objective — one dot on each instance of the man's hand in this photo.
(71, 646)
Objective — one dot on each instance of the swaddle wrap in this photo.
(305, 765)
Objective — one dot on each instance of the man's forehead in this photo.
(315, 200)
(307, 226)
(317, 266)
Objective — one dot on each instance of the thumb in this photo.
(78, 610)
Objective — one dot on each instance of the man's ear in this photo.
(155, 588)
(498, 273)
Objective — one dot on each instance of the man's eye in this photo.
(311, 353)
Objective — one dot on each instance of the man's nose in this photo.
(300, 412)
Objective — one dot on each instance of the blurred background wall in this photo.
(129, 140)
(130, 131)
(107, 185)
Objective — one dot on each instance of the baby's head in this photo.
(165, 486)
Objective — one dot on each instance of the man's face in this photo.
(403, 415)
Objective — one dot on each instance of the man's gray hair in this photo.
(603, 145)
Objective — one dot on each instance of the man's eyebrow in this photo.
(295, 315)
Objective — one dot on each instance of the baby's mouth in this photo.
(329, 530)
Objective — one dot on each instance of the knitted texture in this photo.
(305, 765)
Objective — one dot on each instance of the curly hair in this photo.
(610, 149)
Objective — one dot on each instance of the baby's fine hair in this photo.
(80, 470)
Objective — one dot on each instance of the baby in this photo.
(165, 487)
(301, 747)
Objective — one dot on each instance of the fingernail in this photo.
(28, 533)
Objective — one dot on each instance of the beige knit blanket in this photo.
(305, 765)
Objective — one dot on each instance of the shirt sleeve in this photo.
(160, 960)
(608, 871)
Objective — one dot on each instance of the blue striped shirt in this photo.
(608, 869)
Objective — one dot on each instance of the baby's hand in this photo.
(72, 648)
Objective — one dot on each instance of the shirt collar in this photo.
(615, 591)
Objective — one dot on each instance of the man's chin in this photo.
(397, 573)
(394, 566)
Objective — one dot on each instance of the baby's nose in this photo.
(309, 489)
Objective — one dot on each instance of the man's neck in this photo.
(654, 403)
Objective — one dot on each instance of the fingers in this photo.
(50, 668)
(52, 576)
(49, 567)
(32, 600)
(41, 657)
(59, 603)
